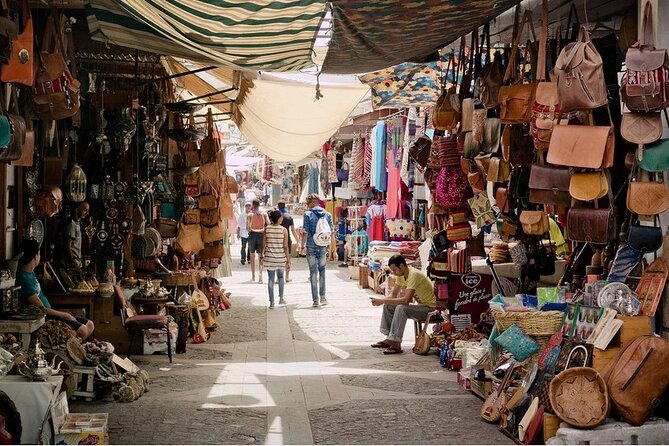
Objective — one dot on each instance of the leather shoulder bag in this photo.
(645, 239)
(596, 226)
(534, 222)
(580, 76)
(653, 157)
(21, 66)
(647, 197)
(491, 76)
(641, 128)
(446, 112)
(588, 186)
(550, 185)
(645, 84)
(17, 126)
(584, 146)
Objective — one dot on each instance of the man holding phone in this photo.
(411, 285)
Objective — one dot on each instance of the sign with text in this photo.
(469, 294)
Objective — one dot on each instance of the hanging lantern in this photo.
(75, 185)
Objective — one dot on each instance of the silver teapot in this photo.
(37, 368)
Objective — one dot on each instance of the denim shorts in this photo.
(255, 242)
(74, 325)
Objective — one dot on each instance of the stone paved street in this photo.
(297, 375)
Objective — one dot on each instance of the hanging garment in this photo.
(355, 172)
(375, 217)
(367, 165)
(380, 174)
(313, 179)
(332, 166)
(288, 183)
(394, 142)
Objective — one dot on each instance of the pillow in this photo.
(400, 229)
(515, 341)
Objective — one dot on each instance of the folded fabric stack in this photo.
(500, 252)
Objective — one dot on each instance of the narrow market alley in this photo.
(297, 375)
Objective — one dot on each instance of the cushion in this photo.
(516, 342)
(143, 321)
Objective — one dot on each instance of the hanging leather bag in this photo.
(534, 222)
(584, 146)
(580, 76)
(516, 100)
(645, 84)
(588, 186)
(592, 225)
(420, 150)
(644, 238)
(491, 76)
(20, 68)
(189, 238)
(641, 128)
(653, 157)
(446, 112)
(498, 170)
(517, 145)
(550, 185)
(56, 90)
(647, 197)
(52, 163)
(210, 145)
(14, 149)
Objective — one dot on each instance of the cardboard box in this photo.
(633, 326)
(481, 388)
(600, 358)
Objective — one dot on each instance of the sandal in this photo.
(380, 344)
(392, 351)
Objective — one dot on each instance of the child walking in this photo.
(276, 256)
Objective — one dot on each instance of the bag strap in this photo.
(26, 12)
(512, 67)
(572, 26)
(543, 40)
(648, 32)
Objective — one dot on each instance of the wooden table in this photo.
(25, 328)
(150, 305)
(74, 300)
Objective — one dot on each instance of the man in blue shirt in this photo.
(316, 254)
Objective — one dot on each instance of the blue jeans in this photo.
(317, 259)
(270, 283)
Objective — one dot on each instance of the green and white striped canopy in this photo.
(267, 35)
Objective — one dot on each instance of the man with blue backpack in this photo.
(318, 226)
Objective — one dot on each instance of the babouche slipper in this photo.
(381, 344)
(392, 351)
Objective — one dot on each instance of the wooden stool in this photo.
(418, 324)
(85, 381)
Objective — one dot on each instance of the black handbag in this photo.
(645, 239)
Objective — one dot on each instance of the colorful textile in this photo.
(366, 177)
(404, 85)
(267, 35)
(379, 147)
(357, 163)
(371, 35)
(332, 166)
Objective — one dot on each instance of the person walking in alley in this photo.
(411, 285)
(276, 256)
(243, 232)
(288, 223)
(256, 223)
(318, 242)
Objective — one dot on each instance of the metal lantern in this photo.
(75, 185)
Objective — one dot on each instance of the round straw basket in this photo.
(579, 397)
(533, 323)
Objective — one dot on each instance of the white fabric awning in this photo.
(285, 122)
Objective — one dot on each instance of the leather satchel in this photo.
(516, 103)
(647, 197)
(645, 84)
(467, 115)
(549, 185)
(477, 181)
(502, 200)
(637, 378)
(580, 75)
(498, 170)
(214, 233)
(588, 147)
(167, 227)
(644, 238)
(588, 186)
(545, 114)
(641, 128)
(517, 145)
(420, 150)
(20, 68)
(189, 238)
(591, 225)
(446, 112)
(491, 135)
(653, 157)
(18, 133)
(534, 222)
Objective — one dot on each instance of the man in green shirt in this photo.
(411, 285)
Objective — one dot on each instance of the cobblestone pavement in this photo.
(297, 375)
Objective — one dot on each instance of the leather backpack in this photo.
(580, 76)
(446, 113)
(638, 377)
(20, 68)
(490, 77)
(645, 84)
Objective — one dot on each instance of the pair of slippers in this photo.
(389, 349)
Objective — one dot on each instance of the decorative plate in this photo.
(36, 231)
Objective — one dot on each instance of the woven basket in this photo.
(177, 279)
(579, 397)
(533, 323)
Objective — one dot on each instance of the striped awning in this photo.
(267, 35)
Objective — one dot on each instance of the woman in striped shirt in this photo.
(275, 255)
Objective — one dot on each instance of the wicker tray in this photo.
(533, 323)
(579, 397)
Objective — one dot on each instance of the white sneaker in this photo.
(324, 301)
(282, 301)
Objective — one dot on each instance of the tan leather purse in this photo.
(479, 124)
(588, 186)
(446, 112)
(646, 197)
(585, 146)
(641, 128)
(189, 238)
(498, 170)
(534, 222)
(214, 233)
(467, 116)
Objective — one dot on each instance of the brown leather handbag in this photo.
(502, 200)
(637, 378)
(534, 222)
(647, 197)
(549, 185)
(641, 128)
(491, 76)
(21, 66)
(585, 146)
(588, 186)
(591, 225)
(517, 145)
(446, 112)
(189, 238)
(498, 170)
(420, 150)
(580, 75)
(18, 128)
(645, 84)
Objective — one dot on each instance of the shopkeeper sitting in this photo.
(31, 291)
(411, 285)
